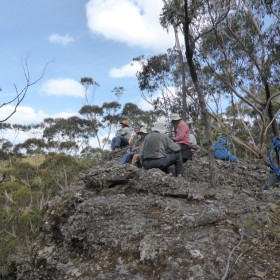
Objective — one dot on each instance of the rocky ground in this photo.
(128, 223)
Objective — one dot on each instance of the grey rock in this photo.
(130, 223)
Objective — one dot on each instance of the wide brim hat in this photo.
(142, 130)
(125, 122)
(160, 127)
(175, 117)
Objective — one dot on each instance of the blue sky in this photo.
(92, 38)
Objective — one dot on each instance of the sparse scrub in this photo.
(25, 194)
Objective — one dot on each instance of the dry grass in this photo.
(36, 161)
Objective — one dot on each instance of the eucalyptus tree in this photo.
(189, 17)
(6, 150)
(138, 117)
(90, 86)
(242, 52)
(94, 114)
(235, 44)
(167, 19)
(74, 129)
(160, 82)
(111, 118)
(101, 119)
(191, 11)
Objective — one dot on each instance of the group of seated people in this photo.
(155, 149)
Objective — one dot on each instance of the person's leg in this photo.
(113, 144)
(161, 163)
(179, 167)
(123, 141)
(177, 160)
(135, 159)
(155, 163)
(126, 158)
(117, 142)
(186, 152)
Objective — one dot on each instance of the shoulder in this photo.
(183, 123)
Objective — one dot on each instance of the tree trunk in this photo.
(183, 73)
(270, 110)
(204, 114)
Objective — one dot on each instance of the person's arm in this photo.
(137, 145)
(172, 145)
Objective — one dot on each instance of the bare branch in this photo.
(20, 95)
(231, 253)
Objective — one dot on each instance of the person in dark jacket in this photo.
(159, 151)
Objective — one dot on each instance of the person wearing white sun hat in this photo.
(159, 151)
(132, 155)
(182, 136)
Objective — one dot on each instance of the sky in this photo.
(75, 39)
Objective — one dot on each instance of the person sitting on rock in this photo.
(193, 142)
(133, 153)
(122, 136)
(182, 136)
(194, 146)
(134, 136)
(159, 151)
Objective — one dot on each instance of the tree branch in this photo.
(20, 95)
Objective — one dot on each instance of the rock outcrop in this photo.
(129, 223)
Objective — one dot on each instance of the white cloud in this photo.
(134, 22)
(59, 39)
(27, 115)
(24, 116)
(144, 105)
(63, 87)
(127, 70)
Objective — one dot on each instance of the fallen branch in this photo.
(230, 255)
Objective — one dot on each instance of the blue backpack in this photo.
(221, 149)
(275, 148)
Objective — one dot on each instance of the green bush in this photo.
(22, 199)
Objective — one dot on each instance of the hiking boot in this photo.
(180, 177)
(265, 187)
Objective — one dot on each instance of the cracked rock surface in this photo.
(129, 223)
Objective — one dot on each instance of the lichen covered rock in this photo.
(129, 223)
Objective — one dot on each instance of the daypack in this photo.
(221, 149)
(275, 149)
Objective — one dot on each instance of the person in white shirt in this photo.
(193, 141)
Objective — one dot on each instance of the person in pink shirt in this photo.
(182, 136)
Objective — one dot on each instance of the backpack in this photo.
(275, 149)
(221, 149)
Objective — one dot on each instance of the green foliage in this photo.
(20, 218)
(59, 171)
(23, 198)
(8, 246)
(25, 173)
